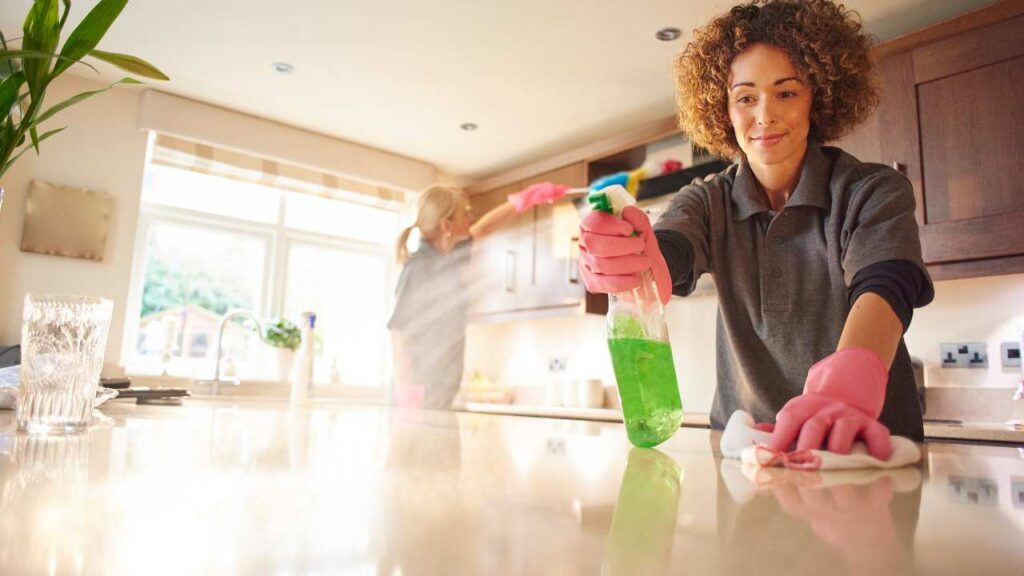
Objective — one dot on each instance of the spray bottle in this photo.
(302, 371)
(640, 348)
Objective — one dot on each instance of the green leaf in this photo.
(78, 98)
(90, 31)
(10, 69)
(42, 33)
(67, 10)
(16, 55)
(131, 64)
(9, 90)
(35, 138)
(27, 148)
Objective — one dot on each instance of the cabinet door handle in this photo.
(574, 260)
(510, 271)
(899, 167)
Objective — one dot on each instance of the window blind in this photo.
(196, 157)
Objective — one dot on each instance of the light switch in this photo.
(1009, 354)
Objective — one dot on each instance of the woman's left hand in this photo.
(842, 399)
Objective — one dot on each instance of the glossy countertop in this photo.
(933, 429)
(246, 487)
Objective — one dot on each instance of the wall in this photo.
(977, 310)
(101, 149)
(517, 353)
(104, 149)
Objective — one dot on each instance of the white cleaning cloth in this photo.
(742, 441)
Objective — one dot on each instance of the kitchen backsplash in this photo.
(989, 310)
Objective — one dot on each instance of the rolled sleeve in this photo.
(880, 224)
(687, 215)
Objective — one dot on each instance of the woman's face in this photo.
(769, 105)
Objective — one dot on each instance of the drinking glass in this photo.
(63, 339)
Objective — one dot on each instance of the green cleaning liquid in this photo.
(646, 378)
(644, 523)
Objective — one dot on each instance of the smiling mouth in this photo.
(768, 139)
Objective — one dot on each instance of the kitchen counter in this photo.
(250, 487)
(933, 430)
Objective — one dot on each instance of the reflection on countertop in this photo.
(933, 429)
(228, 487)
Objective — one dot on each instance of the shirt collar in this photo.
(811, 189)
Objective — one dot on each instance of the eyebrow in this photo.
(777, 82)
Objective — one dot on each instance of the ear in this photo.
(446, 227)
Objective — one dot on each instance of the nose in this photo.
(765, 113)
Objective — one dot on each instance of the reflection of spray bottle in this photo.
(644, 522)
(640, 350)
(302, 371)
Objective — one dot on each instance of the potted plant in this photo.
(284, 337)
(27, 71)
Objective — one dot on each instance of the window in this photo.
(207, 244)
(344, 287)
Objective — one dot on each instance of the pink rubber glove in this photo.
(536, 194)
(842, 399)
(615, 251)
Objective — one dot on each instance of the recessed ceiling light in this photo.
(667, 34)
(468, 127)
(283, 67)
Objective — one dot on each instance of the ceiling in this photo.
(537, 76)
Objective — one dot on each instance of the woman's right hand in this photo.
(615, 251)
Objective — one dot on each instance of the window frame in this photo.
(277, 237)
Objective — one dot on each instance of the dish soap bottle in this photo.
(302, 371)
(640, 348)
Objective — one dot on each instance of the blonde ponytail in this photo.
(402, 248)
(435, 205)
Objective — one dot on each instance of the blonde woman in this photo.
(428, 326)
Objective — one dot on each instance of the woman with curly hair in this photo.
(815, 254)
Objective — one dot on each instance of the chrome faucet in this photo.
(232, 381)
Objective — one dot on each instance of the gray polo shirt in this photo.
(431, 313)
(782, 279)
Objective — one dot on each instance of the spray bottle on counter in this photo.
(640, 349)
(302, 372)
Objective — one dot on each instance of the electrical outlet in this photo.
(963, 355)
(558, 364)
(973, 491)
(1009, 354)
(977, 355)
(953, 355)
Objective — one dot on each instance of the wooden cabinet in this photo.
(532, 268)
(554, 279)
(947, 120)
(529, 265)
(498, 259)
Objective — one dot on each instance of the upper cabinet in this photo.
(948, 122)
(530, 265)
(498, 260)
(531, 268)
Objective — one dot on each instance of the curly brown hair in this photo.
(825, 43)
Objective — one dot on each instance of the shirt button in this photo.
(779, 240)
(776, 273)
